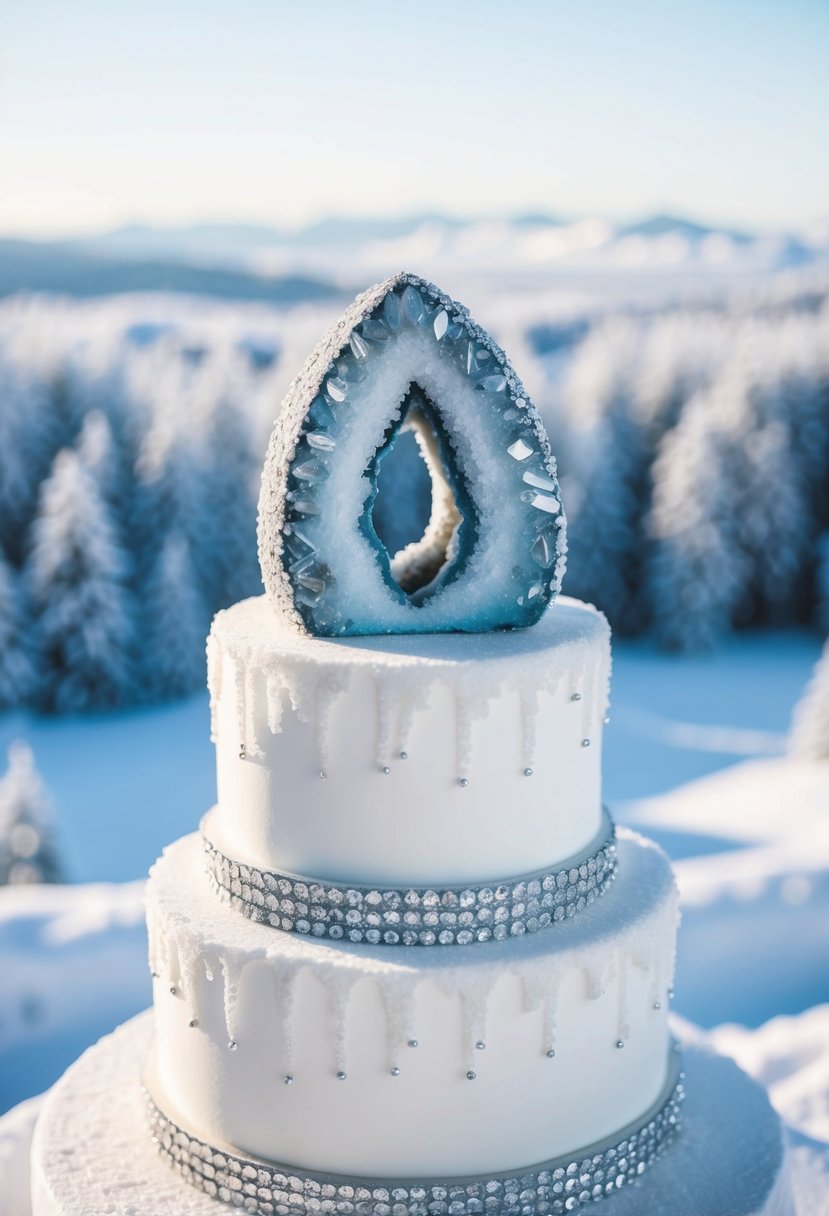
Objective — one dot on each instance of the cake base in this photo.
(92, 1153)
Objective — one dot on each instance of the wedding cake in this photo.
(407, 965)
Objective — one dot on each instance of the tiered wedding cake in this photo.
(407, 965)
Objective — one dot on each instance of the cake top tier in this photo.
(407, 357)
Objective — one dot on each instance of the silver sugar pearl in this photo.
(620, 1043)
(606, 720)
(470, 1076)
(657, 1004)
(287, 1079)
(528, 772)
(193, 1023)
(585, 742)
(463, 782)
(173, 990)
(154, 975)
(395, 1072)
(232, 1045)
(323, 774)
(670, 994)
(575, 696)
(404, 755)
(551, 1053)
(340, 1076)
(385, 769)
(413, 1042)
(480, 1045)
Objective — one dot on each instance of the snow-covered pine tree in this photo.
(17, 678)
(27, 844)
(77, 580)
(176, 622)
(25, 451)
(167, 491)
(96, 448)
(809, 735)
(225, 544)
(695, 573)
(607, 484)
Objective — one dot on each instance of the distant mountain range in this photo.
(257, 262)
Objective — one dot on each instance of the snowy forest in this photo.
(692, 439)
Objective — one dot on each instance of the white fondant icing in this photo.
(298, 1006)
(475, 708)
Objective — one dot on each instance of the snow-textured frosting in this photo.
(472, 714)
(92, 1153)
(298, 1007)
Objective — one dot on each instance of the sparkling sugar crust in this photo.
(309, 674)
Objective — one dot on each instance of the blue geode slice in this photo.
(405, 356)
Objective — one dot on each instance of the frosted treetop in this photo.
(404, 356)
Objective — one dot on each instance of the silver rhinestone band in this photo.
(418, 916)
(558, 1186)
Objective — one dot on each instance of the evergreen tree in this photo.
(17, 677)
(225, 542)
(25, 452)
(177, 622)
(607, 487)
(696, 572)
(27, 845)
(167, 492)
(809, 735)
(77, 578)
(99, 456)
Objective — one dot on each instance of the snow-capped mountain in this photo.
(263, 262)
(521, 242)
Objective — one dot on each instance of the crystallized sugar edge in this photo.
(286, 432)
(194, 940)
(570, 648)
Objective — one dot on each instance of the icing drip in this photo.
(231, 980)
(327, 693)
(622, 988)
(214, 683)
(386, 714)
(249, 716)
(529, 714)
(568, 649)
(273, 690)
(285, 993)
(400, 1018)
(474, 1006)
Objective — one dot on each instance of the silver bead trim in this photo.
(562, 1185)
(417, 916)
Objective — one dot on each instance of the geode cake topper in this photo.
(403, 356)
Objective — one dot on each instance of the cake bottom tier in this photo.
(429, 1061)
(93, 1154)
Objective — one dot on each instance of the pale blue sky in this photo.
(265, 111)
